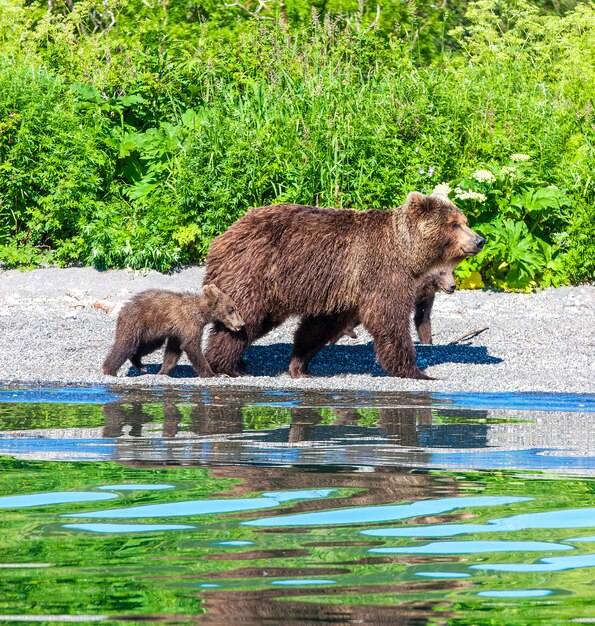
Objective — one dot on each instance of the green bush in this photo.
(132, 137)
(521, 216)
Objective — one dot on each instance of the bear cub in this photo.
(441, 279)
(156, 315)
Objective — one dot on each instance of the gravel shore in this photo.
(52, 332)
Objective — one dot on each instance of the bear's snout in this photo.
(479, 243)
(449, 288)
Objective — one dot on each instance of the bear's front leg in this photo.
(389, 327)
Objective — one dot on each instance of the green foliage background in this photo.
(132, 133)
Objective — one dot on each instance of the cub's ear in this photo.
(418, 204)
(211, 292)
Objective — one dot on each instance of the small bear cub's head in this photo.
(222, 308)
(443, 278)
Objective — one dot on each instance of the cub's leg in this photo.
(145, 347)
(125, 347)
(171, 356)
(196, 357)
(421, 318)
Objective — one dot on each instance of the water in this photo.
(251, 507)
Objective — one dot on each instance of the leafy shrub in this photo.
(139, 134)
(521, 217)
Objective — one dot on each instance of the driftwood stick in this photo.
(103, 305)
(469, 335)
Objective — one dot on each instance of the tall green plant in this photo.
(142, 134)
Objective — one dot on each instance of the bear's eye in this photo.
(231, 311)
(442, 273)
(455, 225)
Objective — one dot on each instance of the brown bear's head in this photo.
(222, 308)
(438, 231)
(444, 279)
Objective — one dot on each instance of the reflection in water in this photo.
(45, 499)
(554, 564)
(127, 528)
(135, 487)
(211, 431)
(177, 535)
(204, 507)
(475, 547)
(221, 427)
(299, 582)
(443, 574)
(366, 515)
(566, 518)
(521, 593)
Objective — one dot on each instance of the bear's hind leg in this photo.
(312, 334)
(120, 351)
(225, 349)
(115, 359)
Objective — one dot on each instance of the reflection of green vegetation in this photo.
(45, 416)
(159, 572)
(368, 417)
(89, 573)
(265, 417)
(16, 416)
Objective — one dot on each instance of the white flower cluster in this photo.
(519, 157)
(484, 176)
(508, 170)
(470, 195)
(443, 189)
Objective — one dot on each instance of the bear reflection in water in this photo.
(409, 427)
(380, 485)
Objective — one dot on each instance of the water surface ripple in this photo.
(224, 506)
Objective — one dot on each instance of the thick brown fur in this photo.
(326, 264)
(156, 315)
(438, 280)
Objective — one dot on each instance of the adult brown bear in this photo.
(325, 265)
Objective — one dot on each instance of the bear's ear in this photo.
(418, 204)
(211, 292)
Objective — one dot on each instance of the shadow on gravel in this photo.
(273, 359)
